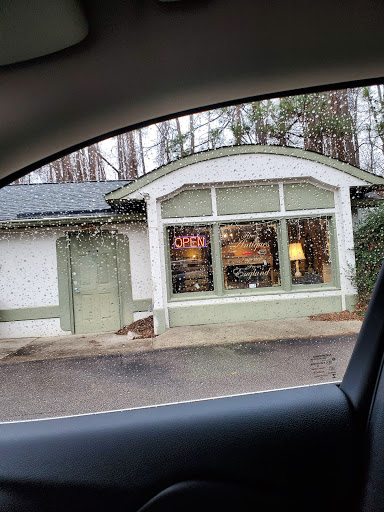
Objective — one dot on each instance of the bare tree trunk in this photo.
(132, 157)
(354, 124)
(84, 165)
(164, 154)
(343, 146)
(337, 147)
(101, 176)
(379, 93)
(67, 169)
(313, 141)
(374, 113)
(283, 136)
(192, 133)
(180, 136)
(93, 163)
(55, 171)
(141, 151)
(349, 148)
(238, 125)
(127, 158)
(209, 129)
(260, 126)
(121, 152)
(51, 174)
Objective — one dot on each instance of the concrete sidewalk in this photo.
(36, 349)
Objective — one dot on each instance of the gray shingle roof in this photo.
(43, 200)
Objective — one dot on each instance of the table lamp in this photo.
(296, 253)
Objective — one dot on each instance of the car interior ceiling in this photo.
(310, 448)
(132, 68)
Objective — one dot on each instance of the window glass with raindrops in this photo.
(225, 252)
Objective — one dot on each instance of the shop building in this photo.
(230, 235)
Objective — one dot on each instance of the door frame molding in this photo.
(124, 279)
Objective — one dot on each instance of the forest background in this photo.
(346, 124)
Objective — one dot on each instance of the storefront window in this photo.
(191, 259)
(250, 255)
(309, 251)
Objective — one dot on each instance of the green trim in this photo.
(188, 203)
(335, 270)
(305, 196)
(272, 217)
(142, 305)
(72, 221)
(217, 261)
(180, 297)
(252, 310)
(350, 302)
(267, 290)
(285, 264)
(249, 292)
(64, 284)
(243, 150)
(334, 251)
(167, 260)
(168, 267)
(159, 321)
(124, 280)
(247, 199)
(35, 313)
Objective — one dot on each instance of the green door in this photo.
(94, 282)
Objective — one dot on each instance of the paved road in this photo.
(61, 387)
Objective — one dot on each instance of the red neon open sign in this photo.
(186, 242)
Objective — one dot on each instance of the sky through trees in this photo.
(346, 124)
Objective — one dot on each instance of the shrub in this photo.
(369, 253)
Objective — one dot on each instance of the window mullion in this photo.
(333, 251)
(217, 263)
(285, 264)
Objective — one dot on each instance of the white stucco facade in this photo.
(31, 279)
(28, 279)
(28, 261)
(29, 275)
(251, 170)
(137, 235)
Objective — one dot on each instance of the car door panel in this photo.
(284, 446)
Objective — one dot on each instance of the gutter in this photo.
(72, 221)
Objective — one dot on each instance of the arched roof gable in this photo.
(371, 179)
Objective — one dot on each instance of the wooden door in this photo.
(94, 282)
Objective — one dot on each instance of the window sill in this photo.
(251, 292)
(315, 287)
(180, 297)
(268, 290)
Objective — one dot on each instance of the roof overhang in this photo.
(72, 221)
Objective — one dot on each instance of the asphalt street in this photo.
(60, 387)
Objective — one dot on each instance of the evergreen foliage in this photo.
(369, 253)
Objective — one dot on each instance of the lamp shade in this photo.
(296, 252)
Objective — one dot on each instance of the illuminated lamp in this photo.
(296, 253)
